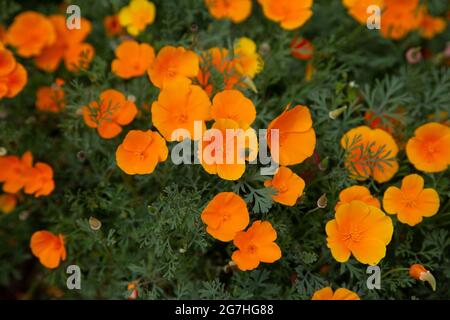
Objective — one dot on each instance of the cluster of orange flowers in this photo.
(399, 17)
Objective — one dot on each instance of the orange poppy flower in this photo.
(430, 26)
(13, 83)
(232, 104)
(340, 294)
(8, 202)
(112, 25)
(132, 59)
(225, 215)
(39, 180)
(256, 245)
(297, 138)
(411, 202)
(361, 230)
(358, 8)
(178, 106)
(428, 149)
(288, 185)
(418, 272)
(357, 193)
(69, 46)
(235, 10)
(370, 152)
(113, 111)
(290, 14)
(173, 65)
(14, 171)
(225, 156)
(50, 98)
(248, 60)
(137, 15)
(29, 33)
(301, 48)
(141, 151)
(49, 248)
(7, 62)
(399, 17)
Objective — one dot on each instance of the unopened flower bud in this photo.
(132, 290)
(81, 155)
(337, 112)
(414, 55)
(418, 272)
(323, 165)
(322, 202)
(3, 151)
(194, 28)
(131, 98)
(94, 223)
(264, 48)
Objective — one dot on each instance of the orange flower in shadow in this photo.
(8, 203)
(13, 76)
(132, 59)
(357, 193)
(39, 180)
(288, 185)
(430, 26)
(50, 98)
(112, 25)
(14, 171)
(340, 294)
(235, 10)
(49, 248)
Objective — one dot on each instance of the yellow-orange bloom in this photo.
(235, 10)
(225, 215)
(49, 248)
(8, 202)
(418, 272)
(399, 17)
(233, 105)
(411, 202)
(256, 245)
(137, 15)
(110, 114)
(357, 193)
(290, 14)
(112, 25)
(29, 33)
(132, 59)
(288, 185)
(297, 138)
(173, 65)
(358, 8)
(178, 106)
(361, 230)
(141, 151)
(370, 153)
(50, 98)
(340, 294)
(429, 149)
(247, 59)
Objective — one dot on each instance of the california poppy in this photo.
(340, 294)
(173, 64)
(358, 8)
(132, 59)
(112, 25)
(290, 14)
(301, 48)
(14, 171)
(297, 138)
(361, 230)
(428, 149)
(357, 193)
(7, 62)
(248, 61)
(235, 10)
(49, 248)
(14, 82)
(430, 26)
(289, 186)
(141, 151)
(399, 17)
(50, 98)
(225, 215)
(39, 180)
(418, 272)
(256, 245)
(232, 104)
(178, 106)
(411, 202)
(110, 113)
(8, 202)
(137, 15)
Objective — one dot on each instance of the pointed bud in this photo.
(249, 82)
(337, 112)
(94, 223)
(418, 272)
(323, 165)
(322, 202)
(132, 291)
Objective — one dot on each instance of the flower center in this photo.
(183, 118)
(140, 155)
(354, 236)
(251, 249)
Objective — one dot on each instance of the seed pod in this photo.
(94, 223)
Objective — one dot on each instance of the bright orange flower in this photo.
(49, 248)
(8, 202)
(39, 180)
(50, 98)
(288, 185)
(14, 171)
(429, 26)
(13, 83)
(248, 60)
(290, 14)
(235, 10)
(428, 150)
(69, 46)
(225, 215)
(418, 272)
(178, 106)
(361, 230)
(297, 138)
(113, 111)
(256, 245)
(358, 8)
(399, 17)
(137, 15)
(340, 294)
(173, 65)
(132, 59)
(232, 104)
(7, 62)
(301, 48)
(30, 33)
(411, 202)
(112, 25)
(357, 193)
(224, 154)
(141, 151)
(370, 152)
